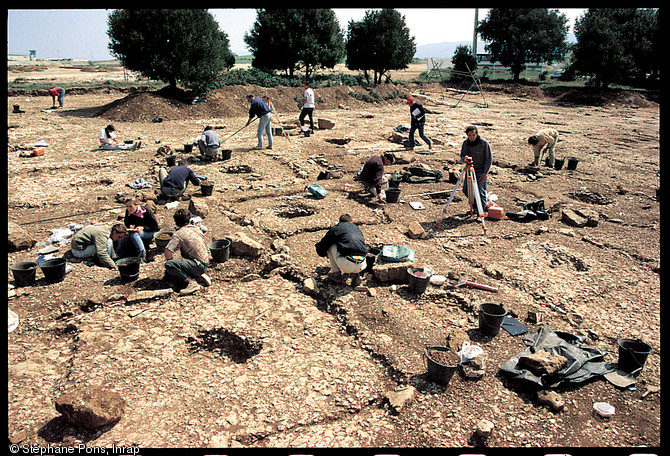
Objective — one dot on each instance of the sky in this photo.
(82, 33)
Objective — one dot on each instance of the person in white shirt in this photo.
(307, 106)
(108, 140)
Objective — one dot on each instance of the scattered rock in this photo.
(400, 397)
(416, 231)
(243, 245)
(552, 399)
(484, 428)
(325, 124)
(91, 407)
(18, 238)
(543, 363)
(310, 286)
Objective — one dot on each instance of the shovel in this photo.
(245, 126)
(463, 281)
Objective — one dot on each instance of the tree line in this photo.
(186, 46)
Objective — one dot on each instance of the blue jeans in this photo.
(413, 128)
(181, 269)
(264, 125)
(136, 241)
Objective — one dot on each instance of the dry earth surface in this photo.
(257, 361)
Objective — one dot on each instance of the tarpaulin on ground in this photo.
(583, 363)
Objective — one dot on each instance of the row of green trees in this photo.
(187, 47)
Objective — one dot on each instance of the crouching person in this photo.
(344, 245)
(97, 242)
(189, 241)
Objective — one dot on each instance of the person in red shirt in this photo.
(57, 92)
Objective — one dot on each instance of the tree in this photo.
(600, 50)
(520, 36)
(463, 60)
(295, 39)
(170, 45)
(380, 42)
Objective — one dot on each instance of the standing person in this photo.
(98, 241)
(547, 137)
(307, 106)
(260, 109)
(141, 224)
(57, 92)
(195, 256)
(175, 182)
(372, 174)
(108, 140)
(477, 150)
(418, 116)
(209, 143)
(344, 245)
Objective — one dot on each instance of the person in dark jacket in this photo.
(477, 150)
(372, 174)
(174, 183)
(141, 224)
(344, 245)
(259, 108)
(418, 115)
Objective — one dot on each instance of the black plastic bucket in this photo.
(394, 183)
(162, 238)
(572, 163)
(220, 250)
(206, 189)
(558, 163)
(632, 355)
(53, 269)
(129, 269)
(171, 160)
(418, 279)
(188, 148)
(491, 317)
(392, 195)
(24, 273)
(226, 154)
(438, 371)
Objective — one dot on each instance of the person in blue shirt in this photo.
(175, 182)
(260, 109)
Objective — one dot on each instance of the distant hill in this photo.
(446, 49)
(443, 50)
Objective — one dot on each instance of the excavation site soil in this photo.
(266, 357)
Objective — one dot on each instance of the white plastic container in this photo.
(604, 409)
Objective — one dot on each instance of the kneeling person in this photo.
(344, 245)
(195, 255)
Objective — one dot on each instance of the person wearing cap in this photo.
(372, 174)
(57, 92)
(108, 140)
(418, 115)
(259, 108)
(209, 143)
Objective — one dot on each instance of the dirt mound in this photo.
(231, 102)
(517, 90)
(605, 98)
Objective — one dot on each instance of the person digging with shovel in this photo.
(259, 109)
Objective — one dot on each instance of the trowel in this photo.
(463, 281)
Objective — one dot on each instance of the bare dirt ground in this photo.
(254, 360)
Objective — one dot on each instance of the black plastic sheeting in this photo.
(584, 362)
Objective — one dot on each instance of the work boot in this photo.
(191, 288)
(356, 280)
(205, 280)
